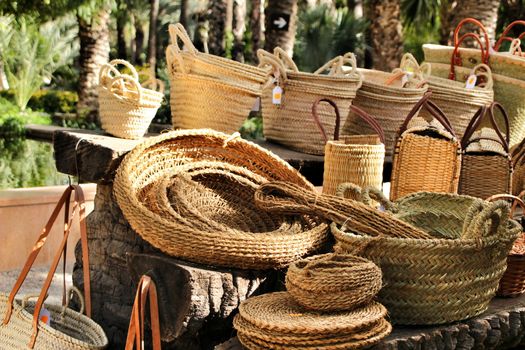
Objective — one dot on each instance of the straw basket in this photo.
(127, 107)
(486, 167)
(333, 282)
(276, 321)
(426, 158)
(388, 99)
(287, 123)
(518, 164)
(190, 194)
(450, 277)
(22, 327)
(358, 159)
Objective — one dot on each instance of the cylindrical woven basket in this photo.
(288, 123)
(333, 282)
(212, 220)
(486, 167)
(426, 158)
(450, 277)
(126, 107)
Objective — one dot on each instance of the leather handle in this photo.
(371, 121)
(318, 121)
(483, 31)
(440, 116)
(455, 59)
(504, 36)
(505, 116)
(476, 121)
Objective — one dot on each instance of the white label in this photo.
(277, 95)
(471, 81)
(407, 76)
(45, 316)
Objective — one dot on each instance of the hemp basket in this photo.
(288, 123)
(190, 194)
(486, 167)
(447, 278)
(518, 164)
(426, 158)
(126, 107)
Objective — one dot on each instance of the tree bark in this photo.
(183, 18)
(239, 27)
(218, 23)
(94, 51)
(152, 37)
(256, 27)
(121, 39)
(274, 36)
(386, 33)
(139, 42)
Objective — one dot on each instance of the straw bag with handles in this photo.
(127, 107)
(208, 91)
(426, 158)
(486, 167)
(22, 326)
(358, 159)
(287, 122)
(146, 290)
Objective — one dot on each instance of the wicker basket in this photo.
(333, 282)
(127, 107)
(486, 167)
(285, 123)
(426, 158)
(275, 321)
(518, 164)
(450, 277)
(190, 194)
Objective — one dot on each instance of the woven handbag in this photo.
(126, 107)
(358, 159)
(287, 123)
(426, 158)
(146, 290)
(486, 167)
(22, 327)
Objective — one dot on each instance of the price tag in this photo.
(277, 95)
(406, 77)
(45, 316)
(471, 81)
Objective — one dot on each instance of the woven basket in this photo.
(518, 164)
(211, 220)
(126, 107)
(384, 96)
(286, 123)
(447, 278)
(276, 321)
(486, 167)
(426, 158)
(333, 282)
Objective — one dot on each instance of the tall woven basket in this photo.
(447, 278)
(486, 167)
(426, 158)
(357, 159)
(288, 123)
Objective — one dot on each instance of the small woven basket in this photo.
(285, 123)
(333, 282)
(486, 167)
(126, 107)
(426, 158)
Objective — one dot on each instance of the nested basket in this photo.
(518, 165)
(449, 277)
(190, 194)
(126, 107)
(358, 159)
(333, 282)
(426, 158)
(287, 123)
(486, 167)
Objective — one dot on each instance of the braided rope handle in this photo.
(336, 65)
(366, 195)
(515, 47)
(480, 215)
(127, 84)
(267, 59)
(107, 69)
(410, 64)
(482, 70)
(504, 36)
(286, 60)
(174, 51)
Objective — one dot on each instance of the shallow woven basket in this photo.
(126, 107)
(288, 123)
(333, 282)
(276, 321)
(447, 278)
(426, 158)
(183, 221)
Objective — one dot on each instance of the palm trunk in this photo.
(218, 25)
(239, 27)
(277, 13)
(152, 36)
(183, 12)
(139, 43)
(94, 51)
(257, 28)
(121, 40)
(386, 33)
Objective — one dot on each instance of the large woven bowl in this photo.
(449, 278)
(185, 191)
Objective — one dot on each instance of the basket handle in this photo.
(286, 60)
(177, 31)
(80, 207)
(516, 201)
(504, 36)
(317, 120)
(267, 59)
(483, 30)
(370, 121)
(479, 215)
(476, 121)
(515, 47)
(146, 289)
(455, 59)
(408, 61)
(366, 195)
(483, 70)
(133, 83)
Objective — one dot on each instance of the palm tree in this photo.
(281, 25)
(152, 35)
(239, 27)
(256, 26)
(220, 23)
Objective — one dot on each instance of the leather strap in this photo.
(455, 59)
(476, 121)
(371, 121)
(483, 31)
(318, 121)
(504, 36)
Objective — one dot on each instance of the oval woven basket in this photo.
(447, 278)
(333, 282)
(208, 217)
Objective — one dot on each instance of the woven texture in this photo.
(450, 277)
(190, 194)
(518, 164)
(276, 321)
(333, 282)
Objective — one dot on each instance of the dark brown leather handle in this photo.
(484, 59)
(419, 104)
(505, 116)
(476, 121)
(318, 121)
(455, 59)
(504, 36)
(371, 121)
(440, 116)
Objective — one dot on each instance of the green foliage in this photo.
(252, 128)
(52, 101)
(414, 39)
(422, 14)
(44, 9)
(8, 111)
